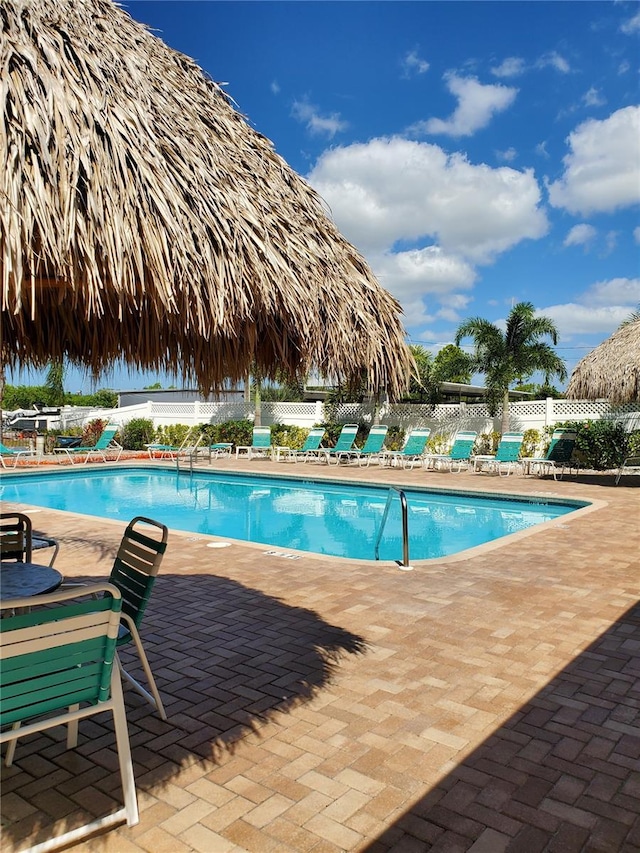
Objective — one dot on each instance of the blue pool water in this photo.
(342, 520)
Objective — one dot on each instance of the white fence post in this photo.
(548, 412)
(196, 412)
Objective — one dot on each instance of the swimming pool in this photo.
(324, 517)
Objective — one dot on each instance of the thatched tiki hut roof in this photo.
(612, 370)
(143, 219)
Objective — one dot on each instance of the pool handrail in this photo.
(405, 564)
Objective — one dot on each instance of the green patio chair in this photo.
(371, 449)
(411, 453)
(260, 444)
(558, 455)
(134, 573)
(344, 443)
(459, 457)
(309, 449)
(15, 453)
(16, 537)
(58, 668)
(18, 541)
(105, 443)
(506, 458)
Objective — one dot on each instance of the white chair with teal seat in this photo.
(309, 449)
(344, 443)
(459, 457)
(58, 667)
(105, 444)
(260, 444)
(506, 458)
(558, 457)
(411, 453)
(14, 453)
(371, 449)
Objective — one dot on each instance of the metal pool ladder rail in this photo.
(405, 565)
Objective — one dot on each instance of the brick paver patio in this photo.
(486, 703)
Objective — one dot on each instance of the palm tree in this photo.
(514, 354)
(54, 382)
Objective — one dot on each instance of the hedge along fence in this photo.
(600, 445)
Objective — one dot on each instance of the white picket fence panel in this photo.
(442, 419)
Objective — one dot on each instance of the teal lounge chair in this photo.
(411, 453)
(459, 456)
(371, 449)
(13, 453)
(105, 443)
(506, 458)
(309, 449)
(158, 450)
(558, 455)
(344, 443)
(260, 444)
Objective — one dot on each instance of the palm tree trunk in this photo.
(505, 412)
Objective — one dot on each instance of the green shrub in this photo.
(395, 438)
(283, 435)
(136, 433)
(634, 443)
(238, 433)
(601, 445)
(530, 441)
(172, 434)
(487, 443)
(439, 442)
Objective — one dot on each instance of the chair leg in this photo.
(124, 750)
(11, 746)
(153, 698)
(72, 729)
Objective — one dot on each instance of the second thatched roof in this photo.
(612, 370)
(143, 220)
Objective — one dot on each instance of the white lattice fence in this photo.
(442, 419)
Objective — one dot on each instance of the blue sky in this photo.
(477, 153)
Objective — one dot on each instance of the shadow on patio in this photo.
(562, 774)
(226, 658)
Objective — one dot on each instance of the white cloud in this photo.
(393, 189)
(574, 318)
(413, 64)
(624, 67)
(423, 271)
(602, 170)
(512, 66)
(477, 104)
(507, 156)
(599, 310)
(636, 234)
(623, 292)
(541, 149)
(316, 123)
(580, 235)
(275, 87)
(632, 25)
(593, 98)
(554, 60)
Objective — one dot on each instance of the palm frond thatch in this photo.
(612, 370)
(143, 220)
